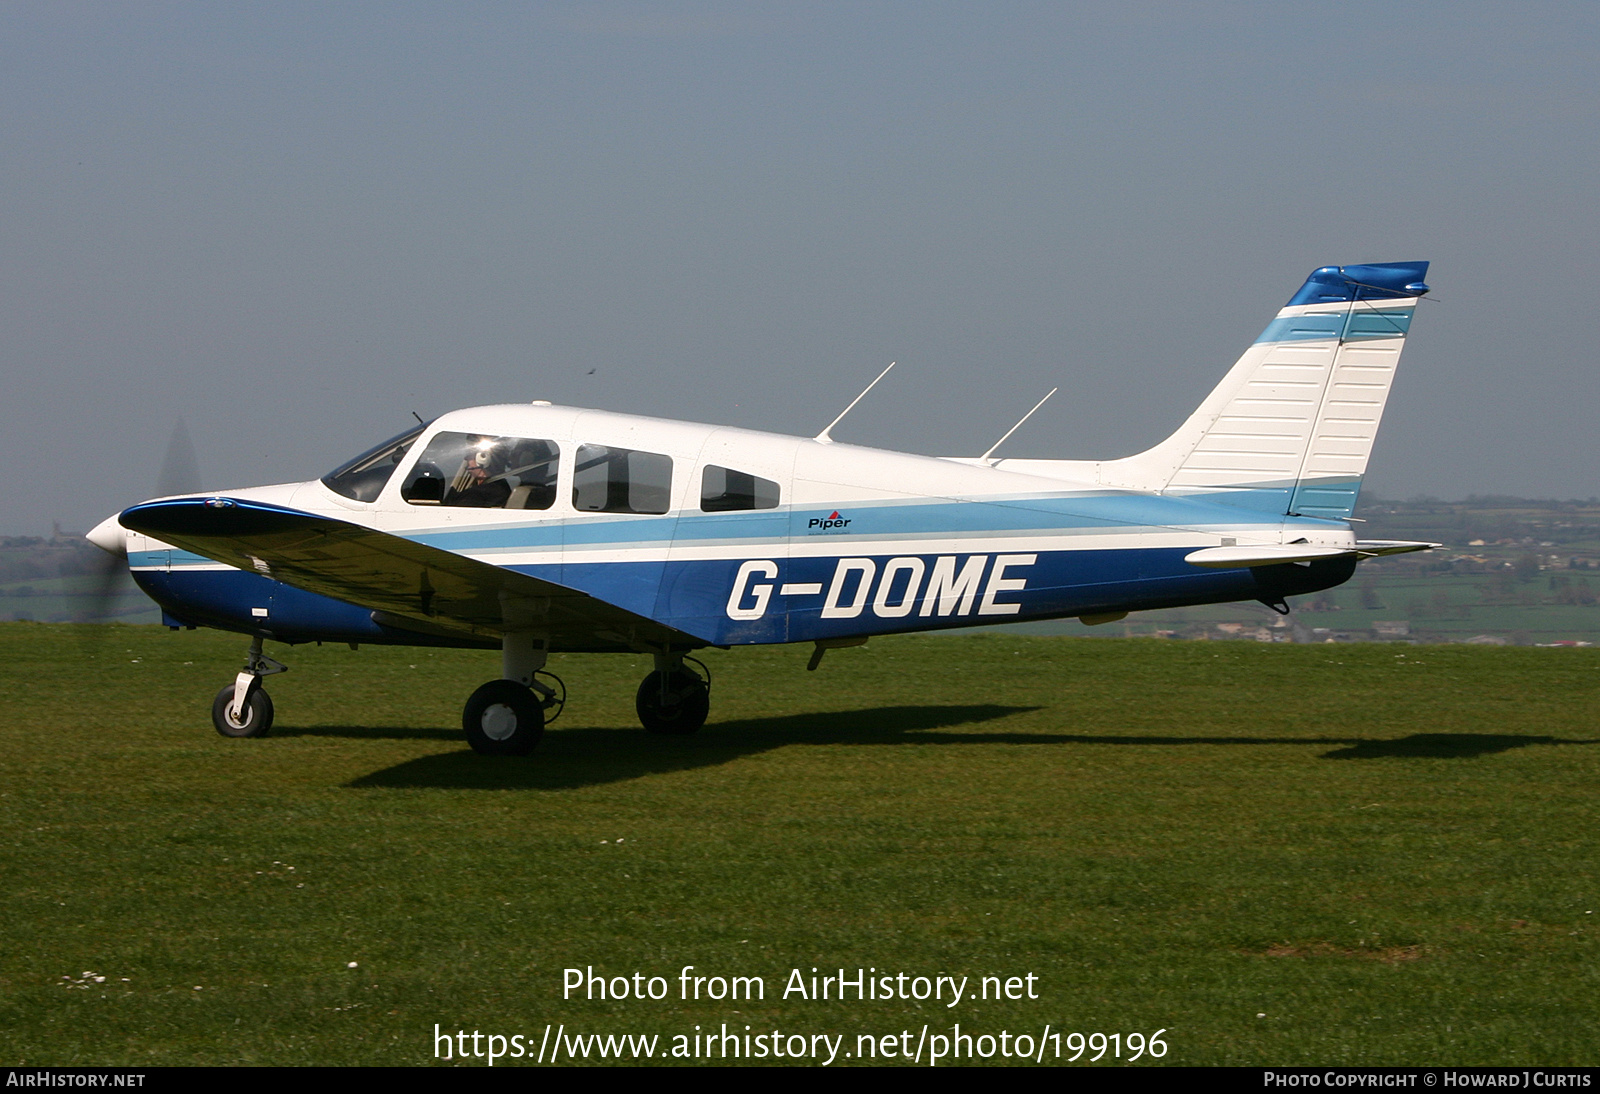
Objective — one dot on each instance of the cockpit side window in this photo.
(621, 480)
(363, 478)
(475, 470)
(724, 490)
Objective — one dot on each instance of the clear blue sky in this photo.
(294, 224)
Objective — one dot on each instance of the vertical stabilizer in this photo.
(1291, 426)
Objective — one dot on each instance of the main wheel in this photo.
(255, 720)
(503, 718)
(679, 707)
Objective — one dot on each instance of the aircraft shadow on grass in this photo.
(371, 733)
(588, 756)
(1445, 746)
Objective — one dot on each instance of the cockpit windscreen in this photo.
(364, 477)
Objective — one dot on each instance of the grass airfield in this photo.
(1278, 854)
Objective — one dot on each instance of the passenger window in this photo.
(472, 470)
(724, 490)
(621, 480)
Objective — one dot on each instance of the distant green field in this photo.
(1444, 607)
(1455, 607)
(1277, 854)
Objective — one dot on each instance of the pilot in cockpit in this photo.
(492, 478)
(476, 483)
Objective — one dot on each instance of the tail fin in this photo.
(1291, 426)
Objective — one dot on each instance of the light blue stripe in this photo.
(1329, 500)
(1359, 325)
(1083, 513)
(166, 558)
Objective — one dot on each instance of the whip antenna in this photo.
(823, 436)
(1018, 426)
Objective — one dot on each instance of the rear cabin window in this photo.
(724, 490)
(621, 480)
(474, 470)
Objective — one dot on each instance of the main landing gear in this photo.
(506, 717)
(243, 708)
(676, 697)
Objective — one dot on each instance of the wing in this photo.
(408, 585)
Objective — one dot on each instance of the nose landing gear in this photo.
(675, 698)
(243, 708)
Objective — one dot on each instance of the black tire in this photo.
(503, 718)
(684, 710)
(257, 714)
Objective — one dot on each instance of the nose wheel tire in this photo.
(255, 720)
(675, 706)
(503, 718)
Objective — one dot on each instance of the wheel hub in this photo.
(499, 722)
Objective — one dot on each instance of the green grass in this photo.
(1389, 852)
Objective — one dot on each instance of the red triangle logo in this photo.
(835, 515)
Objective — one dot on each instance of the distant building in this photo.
(1393, 628)
(1327, 634)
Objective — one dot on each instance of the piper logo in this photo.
(833, 522)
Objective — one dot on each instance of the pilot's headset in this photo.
(487, 454)
(479, 452)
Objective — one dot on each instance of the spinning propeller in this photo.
(180, 474)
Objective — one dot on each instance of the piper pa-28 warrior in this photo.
(541, 529)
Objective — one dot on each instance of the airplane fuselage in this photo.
(739, 537)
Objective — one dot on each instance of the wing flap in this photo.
(404, 582)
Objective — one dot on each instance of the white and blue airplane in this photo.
(538, 529)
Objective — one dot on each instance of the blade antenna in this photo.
(985, 457)
(823, 436)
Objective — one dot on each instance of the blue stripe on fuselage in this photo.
(694, 596)
(229, 599)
